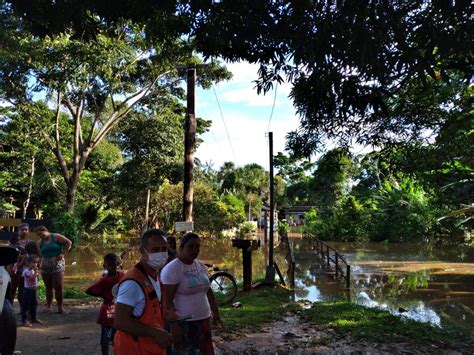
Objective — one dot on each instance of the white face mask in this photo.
(157, 260)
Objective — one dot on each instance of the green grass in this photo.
(68, 293)
(261, 305)
(374, 324)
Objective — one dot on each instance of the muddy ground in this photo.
(77, 333)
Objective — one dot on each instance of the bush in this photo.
(352, 219)
(69, 225)
(403, 212)
(322, 227)
(282, 228)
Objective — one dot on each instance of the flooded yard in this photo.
(435, 285)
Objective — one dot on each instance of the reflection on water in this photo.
(425, 284)
(435, 286)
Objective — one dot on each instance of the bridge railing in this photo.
(331, 255)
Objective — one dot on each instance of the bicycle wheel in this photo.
(224, 287)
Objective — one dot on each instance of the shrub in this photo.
(403, 212)
(317, 225)
(68, 224)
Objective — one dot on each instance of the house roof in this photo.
(298, 209)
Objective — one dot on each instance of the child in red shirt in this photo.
(103, 288)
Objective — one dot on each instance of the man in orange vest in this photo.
(139, 318)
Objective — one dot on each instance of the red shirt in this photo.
(103, 288)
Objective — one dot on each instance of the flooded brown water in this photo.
(435, 286)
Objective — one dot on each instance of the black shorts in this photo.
(106, 335)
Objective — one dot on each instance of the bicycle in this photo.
(223, 285)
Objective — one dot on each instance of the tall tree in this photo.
(105, 77)
(331, 178)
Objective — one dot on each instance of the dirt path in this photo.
(291, 336)
(77, 333)
(74, 333)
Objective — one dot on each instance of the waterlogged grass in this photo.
(259, 306)
(373, 324)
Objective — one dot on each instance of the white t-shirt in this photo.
(191, 295)
(131, 294)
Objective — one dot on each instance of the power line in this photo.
(273, 107)
(211, 131)
(225, 126)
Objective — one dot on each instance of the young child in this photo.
(29, 302)
(103, 288)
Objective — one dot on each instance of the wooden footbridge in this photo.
(333, 259)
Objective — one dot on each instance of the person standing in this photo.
(139, 318)
(188, 293)
(53, 248)
(103, 288)
(29, 302)
(17, 280)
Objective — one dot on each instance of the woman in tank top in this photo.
(53, 248)
(188, 293)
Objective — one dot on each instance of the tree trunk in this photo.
(26, 203)
(147, 209)
(71, 197)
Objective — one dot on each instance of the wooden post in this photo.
(247, 264)
(189, 146)
(337, 264)
(265, 226)
(270, 272)
(292, 275)
(348, 276)
(327, 254)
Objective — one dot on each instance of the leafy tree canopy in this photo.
(348, 60)
(97, 81)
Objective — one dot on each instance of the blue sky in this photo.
(246, 116)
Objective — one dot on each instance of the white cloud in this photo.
(248, 139)
(246, 116)
(243, 72)
(250, 97)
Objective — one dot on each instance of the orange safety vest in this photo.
(126, 344)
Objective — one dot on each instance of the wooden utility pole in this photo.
(189, 146)
(270, 274)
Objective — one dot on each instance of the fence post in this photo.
(348, 276)
(337, 265)
(327, 254)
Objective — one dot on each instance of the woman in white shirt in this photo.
(188, 294)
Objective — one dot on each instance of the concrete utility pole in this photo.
(270, 274)
(189, 145)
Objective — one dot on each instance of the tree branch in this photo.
(70, 106)
(116, 116)
(56, 148)
(80, 112)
